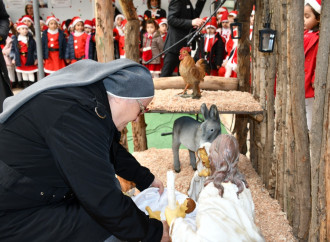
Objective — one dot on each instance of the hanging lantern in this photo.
(267, 39)
(236, 29)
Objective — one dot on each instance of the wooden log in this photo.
(320, 145)
(210, 83)
(104, 13)
(132, 30)
(243, 69)
(302, 172)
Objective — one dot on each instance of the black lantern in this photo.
(267, 38)
(236, 29)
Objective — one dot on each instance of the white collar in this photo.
(22, 38)
(77, 34)
(52, 31)
(210, 36)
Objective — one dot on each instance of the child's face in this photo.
(151, 28)
(52, 25)
(225, 25)
(210, 30)
(252, 19)
(119, 20)
(163, 28)
(310, 20)
(27, 22)
(154, 3)
(79, 27)
(41, 24)
(23, 31)
(231, 19)
(88, 30)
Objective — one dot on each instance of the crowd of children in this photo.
(62, 44)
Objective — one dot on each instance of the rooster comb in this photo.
(185, 48)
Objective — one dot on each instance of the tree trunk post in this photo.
(320, 145)
(243, 73)
(132, 36)
(302, 175)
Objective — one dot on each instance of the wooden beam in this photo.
(210, 83)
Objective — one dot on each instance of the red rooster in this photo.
(191, 73)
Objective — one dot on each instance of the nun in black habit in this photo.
(60, 151)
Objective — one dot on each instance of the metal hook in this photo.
(99, 115)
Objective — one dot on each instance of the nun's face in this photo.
(124, 111)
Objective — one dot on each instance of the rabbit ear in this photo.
(205, 111)
(214, 114)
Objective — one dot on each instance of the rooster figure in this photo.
(191, 72)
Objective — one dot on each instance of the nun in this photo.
(60, 151)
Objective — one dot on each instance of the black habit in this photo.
(59, 143)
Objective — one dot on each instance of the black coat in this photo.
(215, 56)
(5, 90)
(180, 16)
(57, 139)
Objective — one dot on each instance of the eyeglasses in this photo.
(143, 109)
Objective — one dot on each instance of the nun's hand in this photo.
(158, 183)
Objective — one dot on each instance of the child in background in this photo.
(153, 45)
(225, 26)
(6, 54)
(312, 13)
(24, 54)
(88, 26)
(121, 42)
(118, 33)
(28, 20)
(78, 45)
(53, 46)
(231, 16)
(211, 47)
(162, 22)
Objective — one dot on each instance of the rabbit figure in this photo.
(192, 134)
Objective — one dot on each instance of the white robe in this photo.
(227, 218)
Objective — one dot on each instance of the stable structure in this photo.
(292, 162)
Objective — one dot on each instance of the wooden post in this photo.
(132, 36)
(243, 67)
(302, 172)
(104, 13)
(320, 136)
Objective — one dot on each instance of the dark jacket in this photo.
(5, 90)
(64, 144)
(180, 16)
(69, 52)
(32, 51)
(215, 56)
(61, 40)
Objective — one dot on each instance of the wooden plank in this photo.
(210, 83)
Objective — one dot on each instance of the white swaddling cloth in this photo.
(150, 197)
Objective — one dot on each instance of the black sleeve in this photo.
(220, 51)
(4, 23)
(128, 168)
(174, 15)
(162, 13)
(199, 8)
(80, 143)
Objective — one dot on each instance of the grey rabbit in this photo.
(192, 134)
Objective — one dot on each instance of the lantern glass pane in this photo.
(268, 41)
